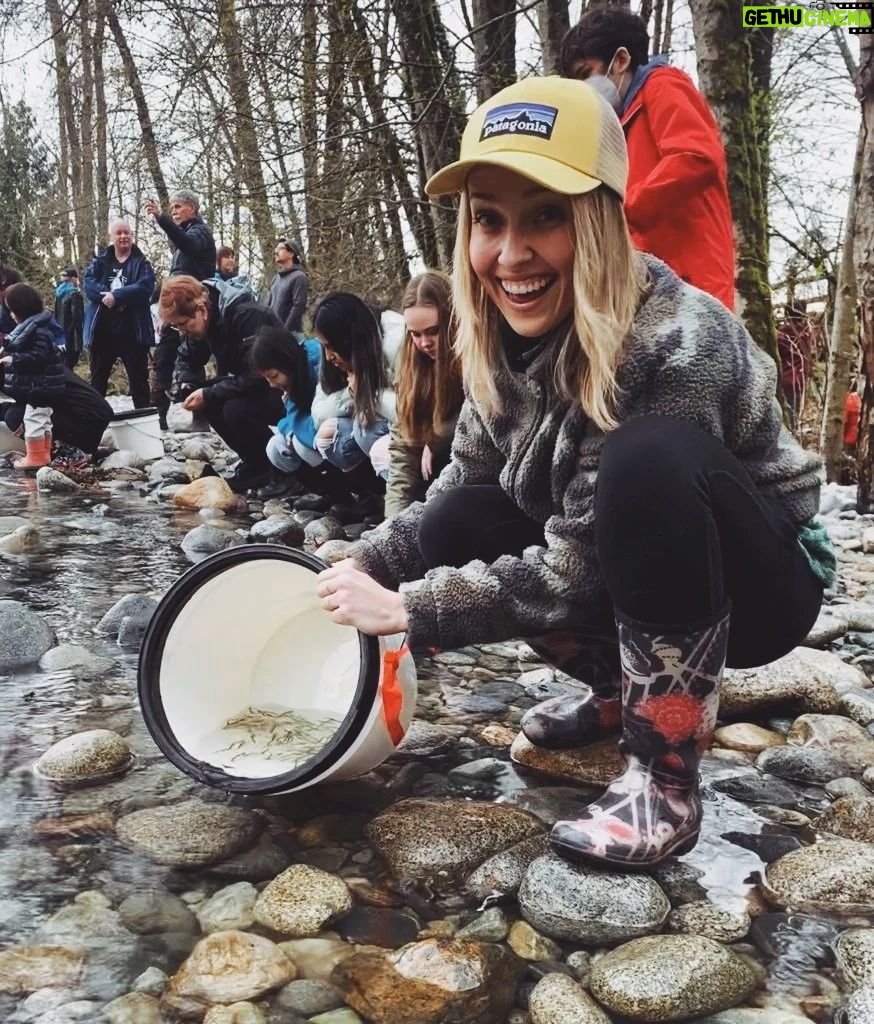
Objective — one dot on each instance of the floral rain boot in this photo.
(574, 719)
(670, 697)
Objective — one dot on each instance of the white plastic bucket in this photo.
(243, 633)
(138, 430)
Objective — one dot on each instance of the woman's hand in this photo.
(427, 463)
(6, 361)
(352, 598)
(195, 401)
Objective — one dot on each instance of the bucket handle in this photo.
(392, 695)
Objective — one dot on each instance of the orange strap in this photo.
(392, 694)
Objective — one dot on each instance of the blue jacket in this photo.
(296, 423)
(133, 298)
(36, 374)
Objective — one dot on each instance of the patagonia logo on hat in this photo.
(519, 119)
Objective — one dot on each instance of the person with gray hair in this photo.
(195, 255)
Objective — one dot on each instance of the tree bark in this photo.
(494, 45)
(85, 207)
(102, 119)
(727, 79)
(863, 246)
(553, 19)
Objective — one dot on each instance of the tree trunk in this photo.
(842, 346)
(86, 235)
(69, 128)
(102, 183)
(863, 251)
(150, 145)
(659, 15)
(726, 74)
(554, 20)
(494, 45)
(309, 125)
(667, 33)
(436, 101)
(247, 138)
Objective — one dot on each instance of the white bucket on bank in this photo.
(138, 430)
(246, 684)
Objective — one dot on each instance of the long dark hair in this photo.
(354, 332)
(275, 348)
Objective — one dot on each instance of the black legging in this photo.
(243, 421)
(679, 526)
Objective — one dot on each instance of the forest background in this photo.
(322, 119)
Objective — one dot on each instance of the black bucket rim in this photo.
(149, 680)
(133, 414)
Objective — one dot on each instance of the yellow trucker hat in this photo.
(556, 131)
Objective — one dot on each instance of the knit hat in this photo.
(70, 272)
(556, 131)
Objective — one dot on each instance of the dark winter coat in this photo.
(36, 373)
(133, 299)
(79, 414)
(70, 314)
(194, 244)
(288, 297)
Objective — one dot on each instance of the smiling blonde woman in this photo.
(622, 491)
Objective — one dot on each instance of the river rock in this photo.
(235, 1013)
(530, 944)
(168, 470)
(597, 764)
(231, 908)
(133, 1008)
(849, 817)
(859, 1008)
(835, 875)
(590, 906)
(151, 913)
(829, 625)
(85, 757)
(320, 531)
(26, 637)
(9, 524)
(21, 541)
(703, 918)
(81, 662)
(858, 704)
(208, 492)
(752, 1015)
(436, 981)
(307, 997)
(189, 833)
(48, 479)
(489, 926)
(854, 957)
(377, 926)
(197, 449)
(806, 764)
(317, 958)
(131, 605)
(279, 529)
(123, 459)
(671, 977)
(441, 840)
(301, 901)
(747, 737)
(805, 678)
(29, 968)
(209, 538)
(263, 861)
(333, 550)
(841, 736)
(229, 967)
(558, 999)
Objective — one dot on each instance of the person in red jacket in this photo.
(677, 200)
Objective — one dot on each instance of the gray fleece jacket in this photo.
(686, 356)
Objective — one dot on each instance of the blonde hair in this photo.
(608, 283)
(429, 392)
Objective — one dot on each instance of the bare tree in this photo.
(494, 44)
(863, 244)
(554, 21)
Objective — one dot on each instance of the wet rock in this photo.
(85, 757)
(331, 551)
(854, 957)
(376, 926)
(671, 977)
(301, 901)
(557, 999)
(503, 872)
(79, 661)
(840, 736)
(747, 737)
(309, 997)
(596, 765)
(48, 479)
(424, 740)
(441, 840)
(756, 789)
(849, 817)
(235, 1013)
(264, 860)
(229, 967)
(123, 459)
(316, 958)
(805, 764)
(133, 1008)
(26, 637)
(21, 541)
(593, 907)
(155, 912)
(859, 1008)
(489, 926)
(9, 524)
(131, 605)
(833, 875)
(189, 833)
(132, 630)
(703, 918)
(750, 1015)
(859, 705)
(280, 529)
(680, 882)
(829, 625)
(845, 787)
(207, 539)
(28, 968)
(342, 1016)
(767, 846)
(320, 531)
(530, 944)
(553, 803)
(168, 471)
(432, 982)
(231, 908)
(805, 678)
(208, 492)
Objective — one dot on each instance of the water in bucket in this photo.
(246, 684)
